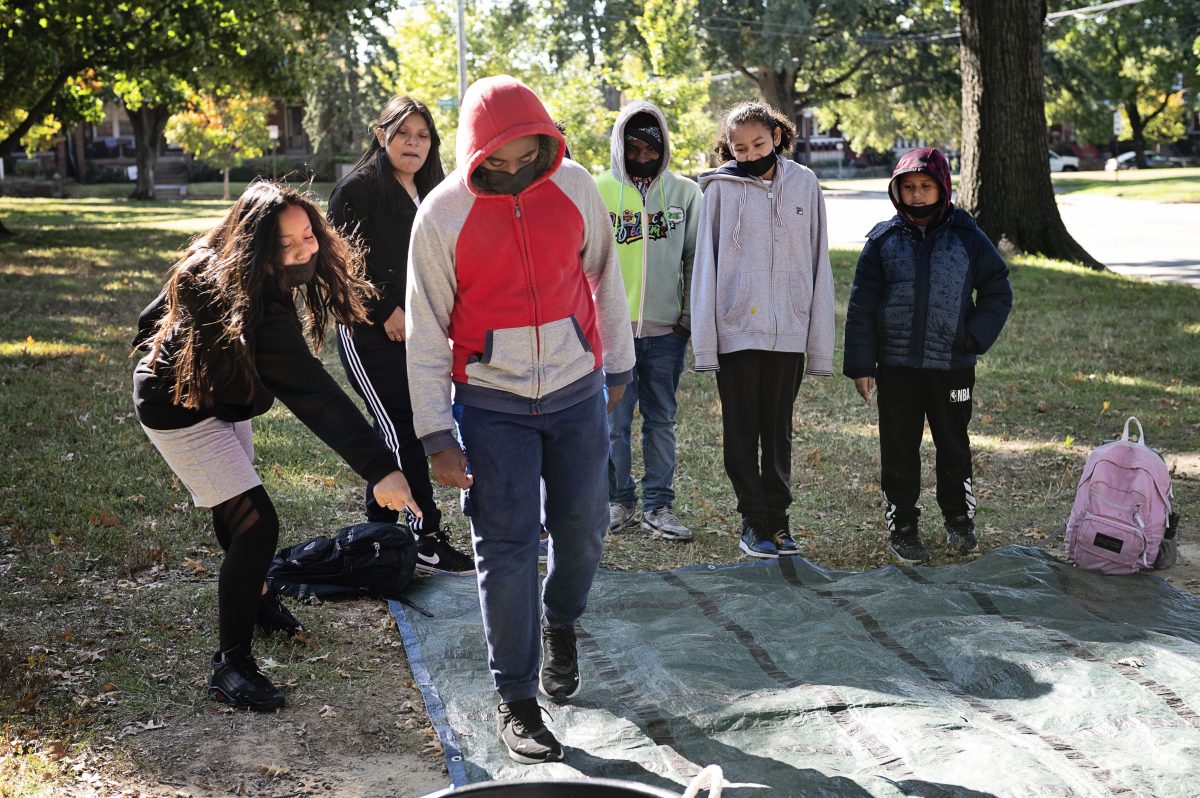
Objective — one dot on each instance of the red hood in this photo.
(926, 160)
(495, 111)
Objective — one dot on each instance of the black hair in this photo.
(398, 109)
(758, 111)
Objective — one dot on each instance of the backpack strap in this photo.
(1141, 435)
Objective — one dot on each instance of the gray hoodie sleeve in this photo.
(818, 359)
(429, 299)
(704, 282)
(693, 211)
(603, 272)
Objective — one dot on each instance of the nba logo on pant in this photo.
(960, 395)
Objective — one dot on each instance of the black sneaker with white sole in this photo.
(236, 680)
(435, 555)
(906, 545)
(960, 534)
(523, 734)
(559, 679)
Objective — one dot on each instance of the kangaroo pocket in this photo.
(566, 355)
(750, 307)
(533, 362)
(799, 306)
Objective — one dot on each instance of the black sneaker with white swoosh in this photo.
(435, 555)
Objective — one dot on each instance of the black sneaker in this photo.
(906, 544)
(560, 664)
(274, 617)
(236, 680)
(525, 736)
(756, 542)
(960, 534)
(435, 555)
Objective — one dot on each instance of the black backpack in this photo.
(369, 559)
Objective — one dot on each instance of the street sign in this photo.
(1118, 123)
(446, 103)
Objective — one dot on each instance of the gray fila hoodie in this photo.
(762, 278)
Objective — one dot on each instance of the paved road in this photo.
(1155, 241)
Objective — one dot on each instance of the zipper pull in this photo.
(517, 208)
(377, 548)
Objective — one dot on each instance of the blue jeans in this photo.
(655, 381)
(510, 454)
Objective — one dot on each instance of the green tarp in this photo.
(1014, 674)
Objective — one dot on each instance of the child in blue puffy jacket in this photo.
(930, 295)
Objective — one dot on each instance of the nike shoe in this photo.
(435, 555)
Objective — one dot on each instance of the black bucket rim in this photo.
(584, 786)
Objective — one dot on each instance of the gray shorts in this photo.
(214, 459)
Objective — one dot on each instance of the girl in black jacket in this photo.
(376, 203)
(223, 340)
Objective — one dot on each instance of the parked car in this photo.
(1127, 160)
(1063, 163)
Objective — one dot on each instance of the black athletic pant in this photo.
(907, 397)
(378, 369)
(758, 393)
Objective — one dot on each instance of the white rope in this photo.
(710, 777)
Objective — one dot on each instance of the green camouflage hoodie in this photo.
(656, 239)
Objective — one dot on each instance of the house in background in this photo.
(106, 152)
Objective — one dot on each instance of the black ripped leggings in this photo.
(247, 528)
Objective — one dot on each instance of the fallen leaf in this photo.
(327, 712)
(58, 539)
(105, 519)
(195, 567)
(56, 750)
(274, 771)
(815, 457)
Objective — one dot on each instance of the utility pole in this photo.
(462, 53)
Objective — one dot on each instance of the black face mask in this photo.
(301, 273)
(642, 168)
(758, 167)
(921, 211)
(504, 183)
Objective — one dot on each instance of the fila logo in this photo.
(960, 395)
(799, 211)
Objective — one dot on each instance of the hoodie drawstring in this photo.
(737, 231)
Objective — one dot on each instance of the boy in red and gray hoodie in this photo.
(930, 295)
(513, 263)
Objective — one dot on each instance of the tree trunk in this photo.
(149, 122)
(225, 189)
(778, 88)
(1137, 131)
(1005, 178)
(35, 113)
(4, 231)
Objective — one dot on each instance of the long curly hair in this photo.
(215, 292)
(758, 111)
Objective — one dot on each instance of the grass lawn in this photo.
(196, 191)
(1154, 185)
(108, 611)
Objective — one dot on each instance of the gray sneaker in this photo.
(663, 523)
(621, 516)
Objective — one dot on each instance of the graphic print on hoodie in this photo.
(509, 279)
(656, 236)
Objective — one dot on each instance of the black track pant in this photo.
(907, 398)
(377, 367)
(758, 392)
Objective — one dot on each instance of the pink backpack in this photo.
(1122, 508)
